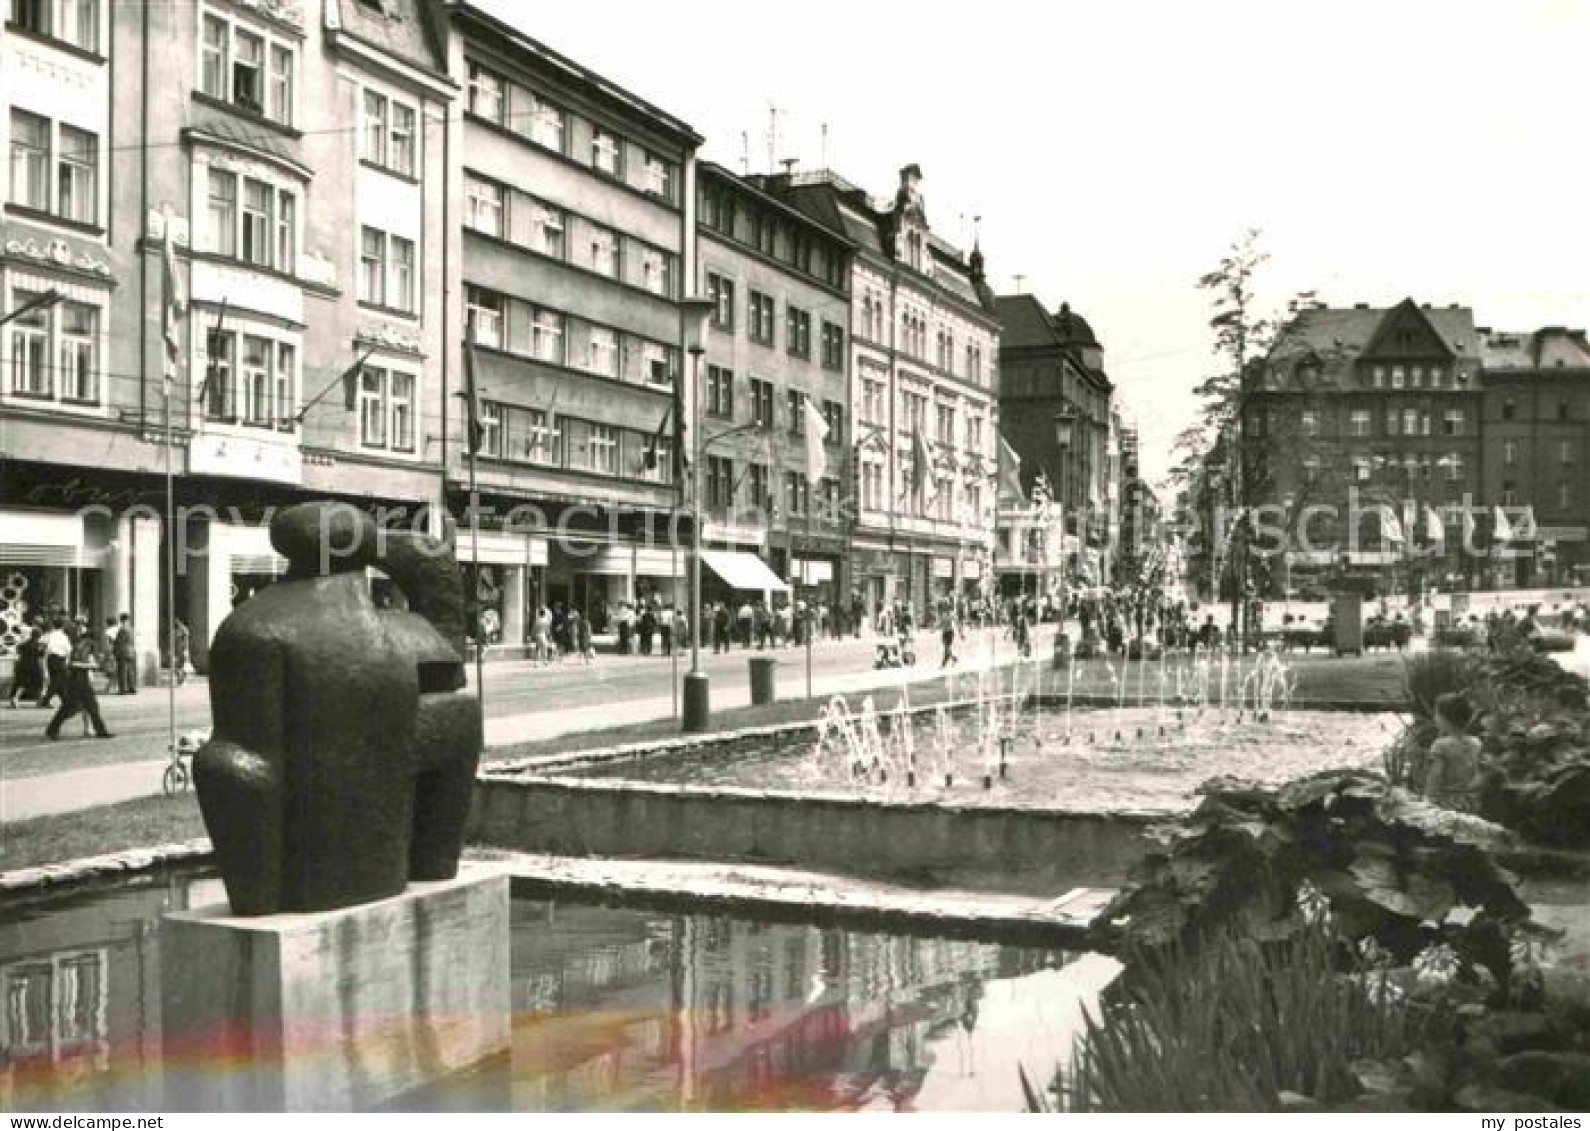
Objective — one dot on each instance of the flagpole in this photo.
(472, 441)
(171, 303)
(811, 618)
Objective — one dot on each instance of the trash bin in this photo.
(762, 690)
(1062, 650)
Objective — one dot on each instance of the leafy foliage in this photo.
(1236, 1025)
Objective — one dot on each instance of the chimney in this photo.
(1360, 306)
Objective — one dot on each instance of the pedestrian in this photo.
(648, 628)
(665, 629)
(27, 680)
(181, 640)
(125, 650)
(746, 621)
(720, 627)
(86, 658)
(681, 628)
(947, 635)
(541, 636)
(57, 653)
(580, 627)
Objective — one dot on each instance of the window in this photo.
(974, 433)
(1565, 452)
(834, 417)
(1509, 408)
(760, 483)
(761, 323)
(658, 176)
(872, 486)
(491, 429)
(795, 401)
(1410, 422)
(546, 336)
(1380, 376)
(1509, 495)
(70, 21)
(1359, 423)
(386, 409)
(1308, 419)
(30, 347)
(485, 94)
(601, 449)
(604, 152)
(798, 332)
(76, 192)
(483, 314)
(1452, 422)
(251, 379)
(30, 160)
(1562, 409)
(546, 228)
(1564, 495)
(656, 271)
(1509, 453)
(602, 351)
(1454, 468)
(545, 437)
(721, 291)
(388, 137)
(797, 493)
(720, 392)
(1399, 377)
(974, 364)
(247, 68)
(604, 252)
(68, 186)
(945, 424)
(761, 403)
(546, 123)
(720, 482)
(1437, 376)
(386, 270)
(657, 364)
(259, 228)
(483, 205)
(833, 347)
(78, 351)
(874, 401)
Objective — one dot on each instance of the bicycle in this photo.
(178, 775)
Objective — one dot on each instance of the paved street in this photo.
(524, 703)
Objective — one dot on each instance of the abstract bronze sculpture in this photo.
(344, 751)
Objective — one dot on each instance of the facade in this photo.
(1051, 369)
(1381, 406)
(778, 340)
(284, 172)
(570, 247)
(1535, 420)
(924, 348)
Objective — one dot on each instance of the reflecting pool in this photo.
(614, 1009)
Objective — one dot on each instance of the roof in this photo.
(1327, 330)
(575, 74)
(779, 204)
(1027, 323)
(1548, 349)
(401, 28)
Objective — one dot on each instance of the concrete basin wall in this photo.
(600, 817)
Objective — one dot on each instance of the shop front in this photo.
(507, 572)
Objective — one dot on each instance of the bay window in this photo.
(53, 350)
(259, 227)
(247, 68)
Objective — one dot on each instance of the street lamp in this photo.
(695, 313)
(1065, 422)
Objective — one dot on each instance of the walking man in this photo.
(947, 635)
(57, 651)
(79, 694)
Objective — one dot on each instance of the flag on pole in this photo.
(477, 429)
(650, 460)
(1468, 527)
(816, 437)
(1525, 530)
(1009, 470)
(1501, 530)
(923, 470)
(175, 296)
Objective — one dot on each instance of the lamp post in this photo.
(695, 313)
(1065, 420)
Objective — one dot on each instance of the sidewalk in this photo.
(46, 795)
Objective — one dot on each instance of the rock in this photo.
(1562, 1077)
(1513, 1032)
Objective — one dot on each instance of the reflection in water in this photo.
(614, 1009)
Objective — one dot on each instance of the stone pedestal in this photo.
(341, 1010)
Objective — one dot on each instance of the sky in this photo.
(1114, 150)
